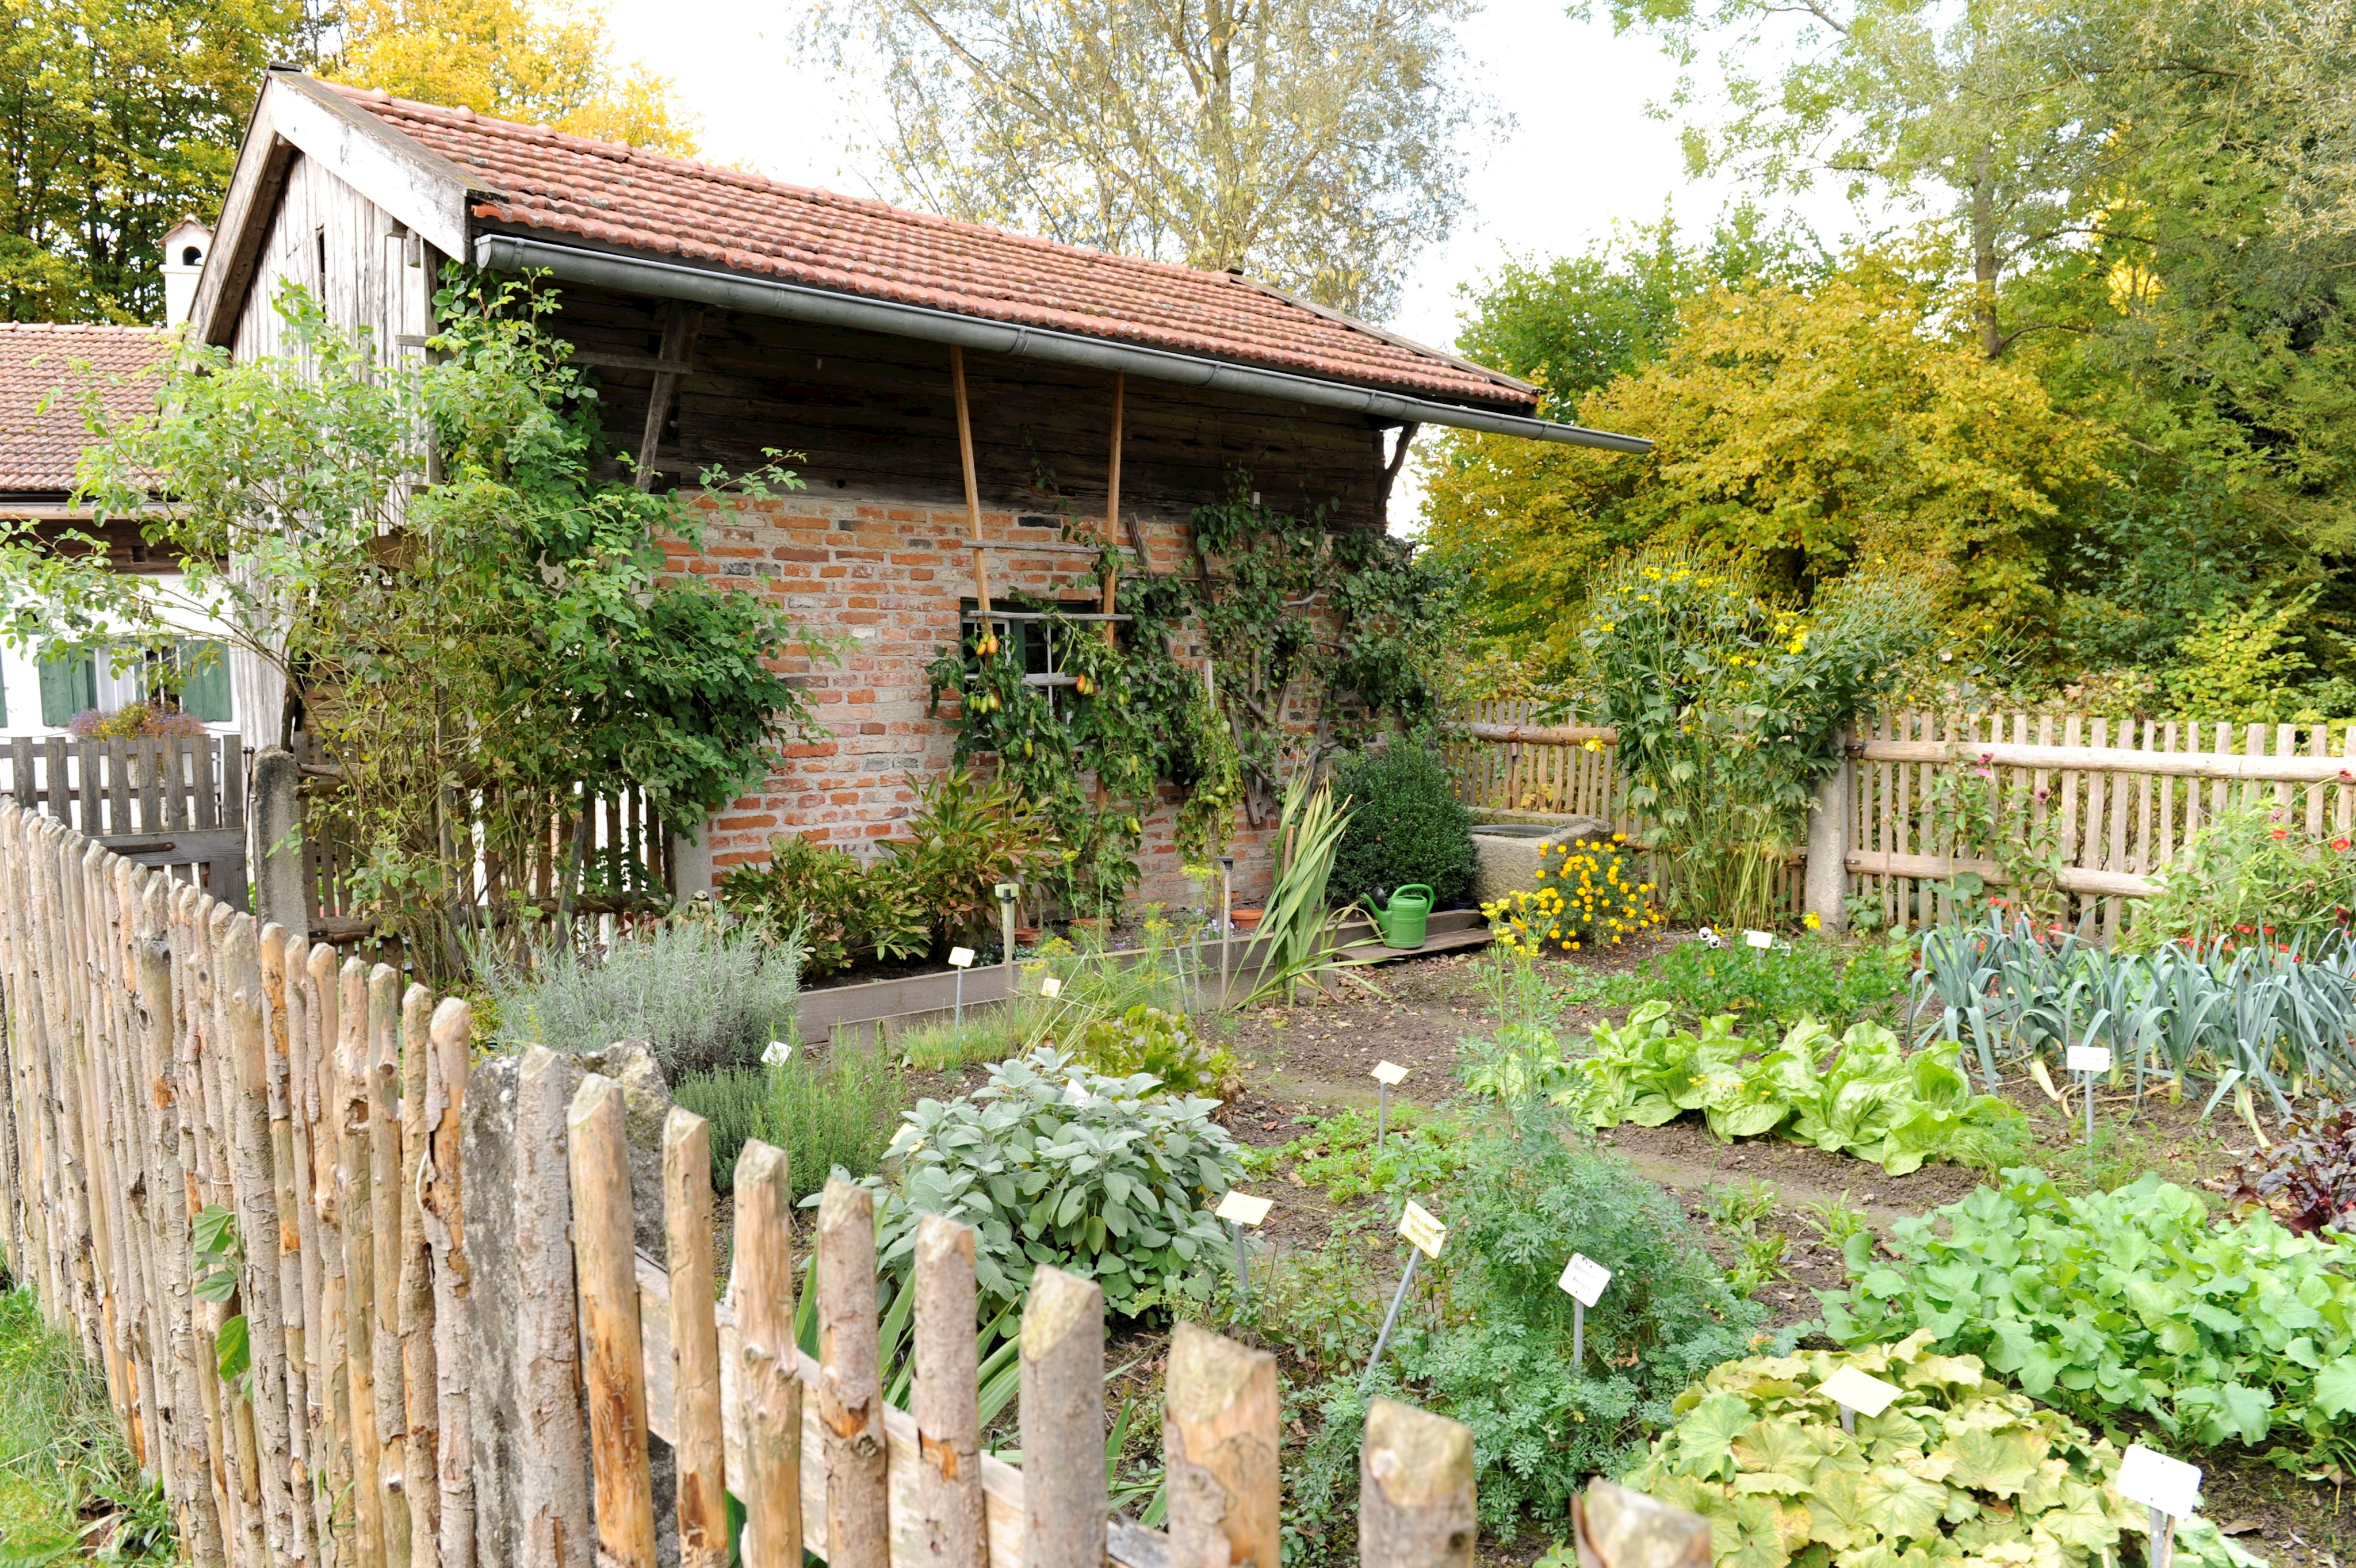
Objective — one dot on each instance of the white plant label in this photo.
(1051, 988)
(1390, 1073)
(778, 1053)
(1418, 1224)
(1073, 1093)
(1860, 1392)
(1583, 1279)
(2087, 1058)
(960, 958)
(1243, 1208)
(2152, 1478)
(1759, 939)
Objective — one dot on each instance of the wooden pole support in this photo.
(604, 1262)
(451, 1037)
(1065, 1499)
(1220, 1433)
(1414, 1491)
(694, 1342)
(973, 488)
(420, 1378)
(770, 1395)
(850, 1381)
(384, 1180)
(950, 1529)
(1112, 507)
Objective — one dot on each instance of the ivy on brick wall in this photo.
(1323, 637)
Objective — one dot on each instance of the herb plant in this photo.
(831, 1109)
(1957, 1469)
(1808, 977)
(1163, 1045)
(2126, 1302)
(1104, 1178)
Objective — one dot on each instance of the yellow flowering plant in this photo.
(1590, 892)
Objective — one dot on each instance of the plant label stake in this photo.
(2169, 1488)
(1583, 1280)
(2086, 1061)
(1387, 1073)
(1429, 1235)
(1857, 1393)
(1239, 1209)
(1006, 892)
(1762, 941)
(1051, 988)
(1226, 919)
(778, 1053)
(961, 960)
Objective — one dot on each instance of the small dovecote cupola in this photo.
(185, 250)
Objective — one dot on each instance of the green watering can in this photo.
(1401, 920)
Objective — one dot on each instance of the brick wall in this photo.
(887, 579)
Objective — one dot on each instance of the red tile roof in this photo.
(624, 197)
(46, 371)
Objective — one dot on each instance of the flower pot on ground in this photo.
(1245, 919)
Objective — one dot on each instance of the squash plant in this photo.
(1959, 1469)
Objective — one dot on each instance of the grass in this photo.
(986, 1035)
(827, 1108)
(70, 1489)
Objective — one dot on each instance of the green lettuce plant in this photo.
(1958, 1469)
(1050, 1163)
(1858, 1093)
(2129, 1302)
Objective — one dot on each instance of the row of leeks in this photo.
(2247, 1013)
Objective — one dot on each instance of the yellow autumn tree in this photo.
(506, 58)
(1801, 426)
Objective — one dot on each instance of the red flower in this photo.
(2340, 842)
(2243, 930)
(2279, 833)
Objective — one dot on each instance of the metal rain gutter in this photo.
(763, 297)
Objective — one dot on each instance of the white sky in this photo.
(1582, 155)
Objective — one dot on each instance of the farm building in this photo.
(960, 401)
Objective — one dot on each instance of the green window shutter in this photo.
(204, 692)
(68, 685)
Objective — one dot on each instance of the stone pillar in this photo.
(278, 842)
(1828, 841)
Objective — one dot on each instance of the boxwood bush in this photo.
(1406, 825)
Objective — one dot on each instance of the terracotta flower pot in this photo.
(1245, 919)
(1096, 925)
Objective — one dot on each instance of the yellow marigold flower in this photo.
(1813, 921)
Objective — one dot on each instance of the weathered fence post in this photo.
(694, 1342)
(1220, 1438)
(450, 1039)
(1828, 841)
(552, 1485)
(1414, 1491)
(950, 1526)
(768, 1393)
(1065, 1499)
(850, 1381)
(615, 1369)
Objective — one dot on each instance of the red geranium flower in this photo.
(2279, 833)
(2340, 842)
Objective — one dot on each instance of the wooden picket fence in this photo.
(478, 1299)
(178, 802)
(2118, 799)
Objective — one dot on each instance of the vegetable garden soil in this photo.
(1312, 1058)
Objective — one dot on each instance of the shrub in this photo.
(843, 912)
(1053, 1164)
(830, 1110)
(1857, 1094)
(2125, 1300)
(1810, 977)
(1146, 1039)
(969, 835)
(2254, 878)
(1406, 825)
(1587, 895)
(1958, 1468)
(705, 993)
(1497, 1354)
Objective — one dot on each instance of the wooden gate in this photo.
(178, 802)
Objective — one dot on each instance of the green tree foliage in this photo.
(117, 119)
(1318, 144)
(507, 632)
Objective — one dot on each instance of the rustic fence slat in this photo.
(1064, 1500)
(1221, 1432)
(950, 1529)
(850, 1383)
(1416, 1506)
(550, 1430)
(325, 1116)
(384, 1130)
(695, 1341)
(614, 1366)
(768, 1392)
(449, 1039)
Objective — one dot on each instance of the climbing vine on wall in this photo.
(1321, 637)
